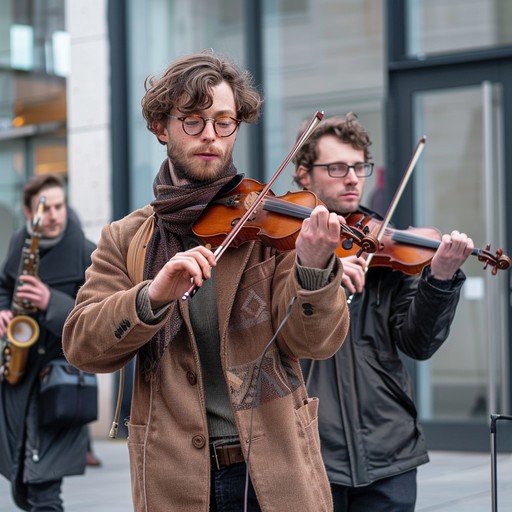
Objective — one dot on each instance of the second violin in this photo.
(410, 250)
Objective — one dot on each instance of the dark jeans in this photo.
(45, 497)
(394, 494)
(227, 493)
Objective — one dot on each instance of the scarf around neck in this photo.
(176, 210)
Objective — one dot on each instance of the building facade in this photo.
(407, 68)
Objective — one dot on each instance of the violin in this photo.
(276, 220)
(410, 250)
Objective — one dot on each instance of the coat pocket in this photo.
(136, 448)
(307, 416)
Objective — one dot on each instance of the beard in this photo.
(197, 172)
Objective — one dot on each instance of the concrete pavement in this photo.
(452, 481)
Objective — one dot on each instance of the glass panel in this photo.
(438, 26)
(34, 58)
(50, 155)
(13, 164)
(451, 193)
(321, 56)
(168, 29)
(22, 47)
(28, 35)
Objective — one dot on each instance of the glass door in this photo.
(459, 185)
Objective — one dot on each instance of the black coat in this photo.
(368, 421)
(29, 453)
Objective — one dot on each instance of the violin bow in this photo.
(310, 128)
(394, 202)
(398, 193)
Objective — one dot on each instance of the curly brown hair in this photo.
(188, 82)
(346, 128)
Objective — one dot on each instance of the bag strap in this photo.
(137, 250)
(135, 267)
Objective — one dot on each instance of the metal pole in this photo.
(494, 467)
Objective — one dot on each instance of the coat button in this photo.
(192, 378)
(307, 308)
(198, 441)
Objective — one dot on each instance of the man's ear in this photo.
(303, 177)
(161, 132)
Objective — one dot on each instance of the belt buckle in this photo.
(215, 456)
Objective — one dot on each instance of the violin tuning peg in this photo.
(347, 244)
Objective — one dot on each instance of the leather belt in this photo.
(225, 455)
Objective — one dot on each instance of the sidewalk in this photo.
(454, 482)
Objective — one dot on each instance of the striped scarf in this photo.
(176, 211)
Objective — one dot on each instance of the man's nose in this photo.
(52, 213)
(208, 132)
(351, 176)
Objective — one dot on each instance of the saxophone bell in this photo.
(22, 331)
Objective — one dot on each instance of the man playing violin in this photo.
(218, 386)
(370, 437)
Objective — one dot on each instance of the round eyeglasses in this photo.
(341, 169)
(224, 126)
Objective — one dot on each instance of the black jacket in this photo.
(367, 417)
(29, 453)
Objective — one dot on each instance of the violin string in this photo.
(413, 239)
(422, 241)
(280, 206)
(275, 205)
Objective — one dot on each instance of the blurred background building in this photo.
(71, 80)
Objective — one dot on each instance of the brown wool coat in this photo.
(168, 435)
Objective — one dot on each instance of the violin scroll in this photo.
(362, 238)
(498, 261)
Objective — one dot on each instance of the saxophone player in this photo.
(33, 458)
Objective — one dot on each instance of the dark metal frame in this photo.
(117, 26)
(494, 461)
(253, 17)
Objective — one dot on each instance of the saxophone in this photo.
(23, 330)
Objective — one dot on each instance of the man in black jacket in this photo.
(370, 437)
(34, 458)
